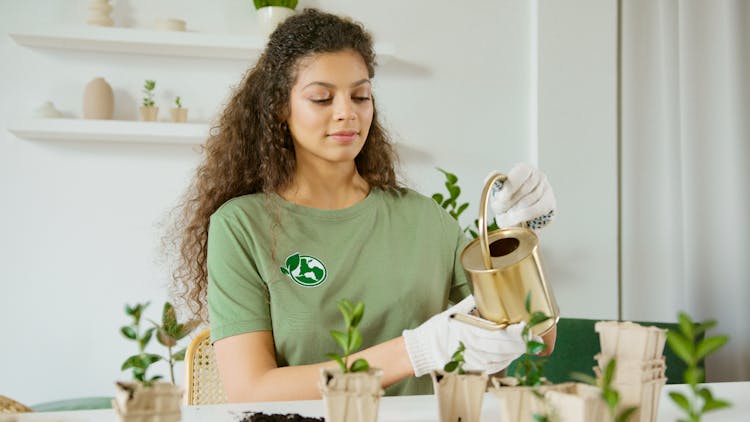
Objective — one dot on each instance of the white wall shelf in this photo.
(152, 42)
(111, 131)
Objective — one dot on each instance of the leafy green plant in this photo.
(350, 340)
(609, 394)
(168, 334)
(290, 4)
(449, 202)
(530, 372)
(457, 360)
(148, 90)
(683, 343)
(177, 102)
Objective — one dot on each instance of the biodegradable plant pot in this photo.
(519, 404)
(158, 403)
(575, 402)
(351, 397)
(148, 113)
(630, 341)
(179, 114)
(459, 396)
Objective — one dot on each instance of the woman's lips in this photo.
(344, 136)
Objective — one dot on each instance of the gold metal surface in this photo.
(504, 266)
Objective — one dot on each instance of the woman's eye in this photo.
(361, 99)
(321, 100)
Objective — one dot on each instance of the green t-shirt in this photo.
(274, 265)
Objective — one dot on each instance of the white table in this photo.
(405, 408)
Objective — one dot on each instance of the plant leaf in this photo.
(681, 346)
(357, 313)
(131, 362)
(680, 400)
(704, 326)
(179, 355)
(709, 345)
(609, 371)
(284, 270)
(355, 340)
(342, 340)
(462, 208)
(146, 337)
(584, 378)
(449, 177)
(188, 328)
(537, 318)
(715, 404)
(535, 347)
(527, 304)
(626, 414)
(686, 325)
(168, 317)
(450, 366)
(128, 332)
(346, 310)
(438, 198)
(359, 365)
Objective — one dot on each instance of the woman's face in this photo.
(330, 107)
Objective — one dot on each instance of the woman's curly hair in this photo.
(250, 149)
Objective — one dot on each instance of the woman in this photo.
(297, 206)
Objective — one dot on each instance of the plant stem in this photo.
(171, 364)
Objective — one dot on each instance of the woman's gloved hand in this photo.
(431, 345)
(525, 197)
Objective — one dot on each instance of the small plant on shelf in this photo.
(683, 343)
(149, 87)
(350, 340)
(289, 4)
(177, 102)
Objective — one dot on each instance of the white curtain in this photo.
(686, 168)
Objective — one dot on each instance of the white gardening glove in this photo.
(431, 345)
(525, 197)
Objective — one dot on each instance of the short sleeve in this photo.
(238, 299)
(461, 286)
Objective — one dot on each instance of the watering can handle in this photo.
(483, 239)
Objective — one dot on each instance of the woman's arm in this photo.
(247, 365)
(549, 340)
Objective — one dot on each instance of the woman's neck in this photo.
(327, 188)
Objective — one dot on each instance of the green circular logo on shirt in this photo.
(305, 270)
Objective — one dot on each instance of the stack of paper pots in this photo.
(640, 365)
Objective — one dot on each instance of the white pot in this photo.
(270, 17)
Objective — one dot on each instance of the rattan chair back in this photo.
(202, 377)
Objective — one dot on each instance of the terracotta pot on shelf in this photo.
(148, 113)
(98, 100)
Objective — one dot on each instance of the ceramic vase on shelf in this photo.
(98, 100)
(148, 113)
(99, 13)
(270, 17)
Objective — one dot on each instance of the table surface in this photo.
(404, 408)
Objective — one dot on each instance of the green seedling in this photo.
(350, 340)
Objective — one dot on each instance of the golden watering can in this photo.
(504, 266)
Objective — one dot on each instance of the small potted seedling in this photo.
(179, 113)
(147, 399)
(351, 392)
(148, 110)
(522, 394)
(460, 392)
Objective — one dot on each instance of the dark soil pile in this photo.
(291, 417)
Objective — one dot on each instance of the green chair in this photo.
(576, 345)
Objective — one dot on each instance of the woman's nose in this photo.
(344, 110)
